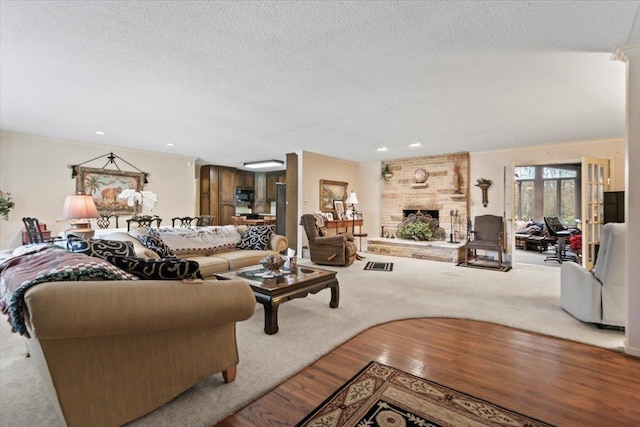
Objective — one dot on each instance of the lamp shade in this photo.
(352, 199)
(79, 206)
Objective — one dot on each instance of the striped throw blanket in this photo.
(47, 264)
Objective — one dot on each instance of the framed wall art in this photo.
(330, 191)
(105, 185)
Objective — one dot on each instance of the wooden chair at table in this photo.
(105, 221)
(205, 220)
(185, 221)
(34, 231)
(144, 221)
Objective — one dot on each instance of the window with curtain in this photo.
(548, 190)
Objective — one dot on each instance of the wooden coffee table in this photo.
(273, 291)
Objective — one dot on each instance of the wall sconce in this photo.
(386, 173)
(484, 185)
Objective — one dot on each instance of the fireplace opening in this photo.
(435, 214)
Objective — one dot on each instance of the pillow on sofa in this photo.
(533, 230)
(100, 248)
(153, 241)
(157, 269)
(257, 237)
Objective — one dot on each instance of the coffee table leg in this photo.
(271, 318)
(335, 296)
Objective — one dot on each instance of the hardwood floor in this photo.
(557, 381)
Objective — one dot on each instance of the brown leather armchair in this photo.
(329, 250)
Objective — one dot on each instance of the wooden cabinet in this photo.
(261, 205)
(218, 193)
(272, 179)
(244, 179)
(613, 206)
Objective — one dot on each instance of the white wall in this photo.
(490, 164)
(315, 167)
(34, 169)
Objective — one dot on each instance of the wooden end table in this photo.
(273, 291)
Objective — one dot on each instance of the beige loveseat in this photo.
(111, 351)
(210, 259)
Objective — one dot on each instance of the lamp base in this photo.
(80, 229)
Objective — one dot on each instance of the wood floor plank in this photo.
(557, 381)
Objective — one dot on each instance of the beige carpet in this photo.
(527, 297)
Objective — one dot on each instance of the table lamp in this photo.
(354, 201)
(79, 209)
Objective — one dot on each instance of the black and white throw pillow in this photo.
(100, 248)
(157, 269)
(257, 237)
(153, 241)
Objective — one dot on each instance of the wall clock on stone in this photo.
(420, 176)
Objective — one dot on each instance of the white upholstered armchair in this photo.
(600, 295)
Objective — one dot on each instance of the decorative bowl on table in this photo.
(272, 263)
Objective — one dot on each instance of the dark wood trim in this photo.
(557, 381)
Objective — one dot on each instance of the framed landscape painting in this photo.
(331, 191)
(105, 185)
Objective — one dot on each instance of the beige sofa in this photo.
(212, 263)
(111, 351)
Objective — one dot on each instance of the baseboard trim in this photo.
(632, 351)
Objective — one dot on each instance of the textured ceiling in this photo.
(229, 82)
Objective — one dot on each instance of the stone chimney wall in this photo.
(440, 192)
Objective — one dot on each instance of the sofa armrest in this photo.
(580, 293)
(278, 243)
(83, 309)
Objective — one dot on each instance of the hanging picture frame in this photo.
(105, 185)
(330, 191)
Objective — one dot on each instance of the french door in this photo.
(595, 181)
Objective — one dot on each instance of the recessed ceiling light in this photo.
(169, 144)
(99, 132)
(382, 149)
(414, 144)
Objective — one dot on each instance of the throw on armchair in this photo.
(329, 250)
(600, 295)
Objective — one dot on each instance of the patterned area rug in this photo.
(379, 266)
(380, 395)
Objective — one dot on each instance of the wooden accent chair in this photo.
(329, 250)
(487, 234)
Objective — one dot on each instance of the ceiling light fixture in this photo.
(382, 149)
(263, 164)
(414, 144)
(169, 144)
(99, 132)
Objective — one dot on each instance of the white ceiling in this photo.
(229, 82)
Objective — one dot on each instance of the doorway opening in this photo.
(551, 190)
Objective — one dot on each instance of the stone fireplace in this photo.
(444, 195)
(445, 190)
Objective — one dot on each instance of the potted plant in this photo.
(417, 230)
(6, 204)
